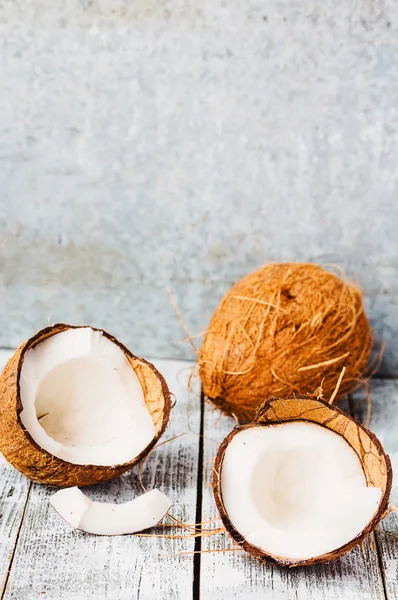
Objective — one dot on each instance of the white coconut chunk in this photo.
(71, 504)
(296, 490)
(82, 400)
(101, 518)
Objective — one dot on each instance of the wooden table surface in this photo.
(41, 557)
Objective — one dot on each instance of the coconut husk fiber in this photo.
(375, 463)
(282, 330)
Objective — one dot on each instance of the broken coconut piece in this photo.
(304, 483)
(76, 407)
(102, 518)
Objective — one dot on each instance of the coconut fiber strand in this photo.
(281, 330)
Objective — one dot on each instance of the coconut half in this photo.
(76, 407)
(304, 483)
(103, 518)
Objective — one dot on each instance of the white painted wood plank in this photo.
(13, 496)
(14, 489)
(356, 576)
(54, 562)
(384, 423)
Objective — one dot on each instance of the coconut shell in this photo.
(375, 463)
(282, 330)
(40, 466)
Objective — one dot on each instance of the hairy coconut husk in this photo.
(375, 463)
(282, 329)
(40, 466)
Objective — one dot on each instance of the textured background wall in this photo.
(152, 144)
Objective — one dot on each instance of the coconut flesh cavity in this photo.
(77, 407)
(304, 483)
(102, 518)
(82, 401)
(279, 484)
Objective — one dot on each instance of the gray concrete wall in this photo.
(154, 144)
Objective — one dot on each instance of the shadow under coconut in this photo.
(358, 570)
(118, 490)
(166, 469)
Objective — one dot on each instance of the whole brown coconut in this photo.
(41, 466)
(281, 330)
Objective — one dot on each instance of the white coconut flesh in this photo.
(295, 490)
(102, 518)
(82, 400)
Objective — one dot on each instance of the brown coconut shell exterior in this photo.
(375, 462)
(282, 330)
(40, 466)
